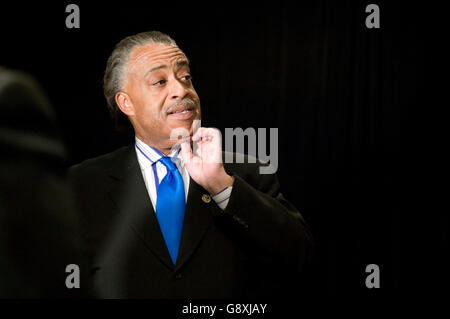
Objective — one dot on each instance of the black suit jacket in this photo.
(258, 247)
(38, 225)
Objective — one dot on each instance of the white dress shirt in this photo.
(154, 171)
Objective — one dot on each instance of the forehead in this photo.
(153, 54)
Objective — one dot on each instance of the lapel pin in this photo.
(206, 198)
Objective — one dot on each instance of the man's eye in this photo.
(187, 77)
(159, 83)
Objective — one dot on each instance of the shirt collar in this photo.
(152, 155)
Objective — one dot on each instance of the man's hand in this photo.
(206, 167)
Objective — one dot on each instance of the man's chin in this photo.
(181, 132)
(189, 125)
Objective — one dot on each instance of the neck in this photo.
(164, 150)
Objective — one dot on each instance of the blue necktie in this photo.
(170, 206)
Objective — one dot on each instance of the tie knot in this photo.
(167, 161)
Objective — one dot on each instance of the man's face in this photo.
(160, 94)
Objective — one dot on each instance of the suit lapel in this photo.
(197, 219)
(130, 195)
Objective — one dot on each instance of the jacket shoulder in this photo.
(101, 163)
(249, 168)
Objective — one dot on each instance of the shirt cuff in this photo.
(222, 197)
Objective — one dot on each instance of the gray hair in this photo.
(115, 67)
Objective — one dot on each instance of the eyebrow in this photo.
(179, 65)
(182, 63)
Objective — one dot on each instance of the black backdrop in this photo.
(341, 95)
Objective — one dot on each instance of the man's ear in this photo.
(123, 100)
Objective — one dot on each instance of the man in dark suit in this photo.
(162, 221)
(39, 235)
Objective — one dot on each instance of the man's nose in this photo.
(177, 90)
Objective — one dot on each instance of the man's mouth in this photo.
(182, 112)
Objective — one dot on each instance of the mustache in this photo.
(186, 101)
